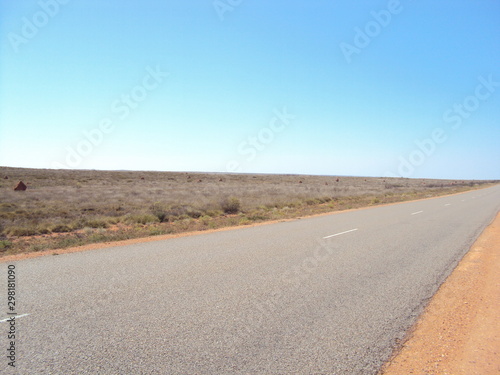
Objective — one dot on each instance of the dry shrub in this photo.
(231, 205)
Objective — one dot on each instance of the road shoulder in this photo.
(458, 333)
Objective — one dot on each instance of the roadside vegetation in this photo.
(70, 208)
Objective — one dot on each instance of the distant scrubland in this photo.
(63, 208)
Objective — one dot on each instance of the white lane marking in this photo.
(13, 316)
(448, 204)
(463, 200)
(418, 212)
(338, 234)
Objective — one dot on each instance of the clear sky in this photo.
(370, 88)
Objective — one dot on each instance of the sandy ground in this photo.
(459, 332)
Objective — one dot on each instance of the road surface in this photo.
(324, 295)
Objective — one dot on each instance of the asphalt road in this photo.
(324, 295)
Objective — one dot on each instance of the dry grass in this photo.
(67, 208)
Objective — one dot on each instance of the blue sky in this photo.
(375, 88)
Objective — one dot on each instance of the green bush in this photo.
(214, 213)
(195, 214)
(43, 229)
(162, 215)
(311, 202)
(60, 228)
(143, 219)
(96, 223)
(245, 221)
(21, 231)
(38, 247)
(257, 217)
(4, 245)
(231, 205)
(158, 210)
(156, 231)
(205, 219)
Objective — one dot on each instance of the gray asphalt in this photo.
(273, 299)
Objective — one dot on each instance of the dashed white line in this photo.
(448, 204)
(338, 234)
(13, 316)
(418, 212)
